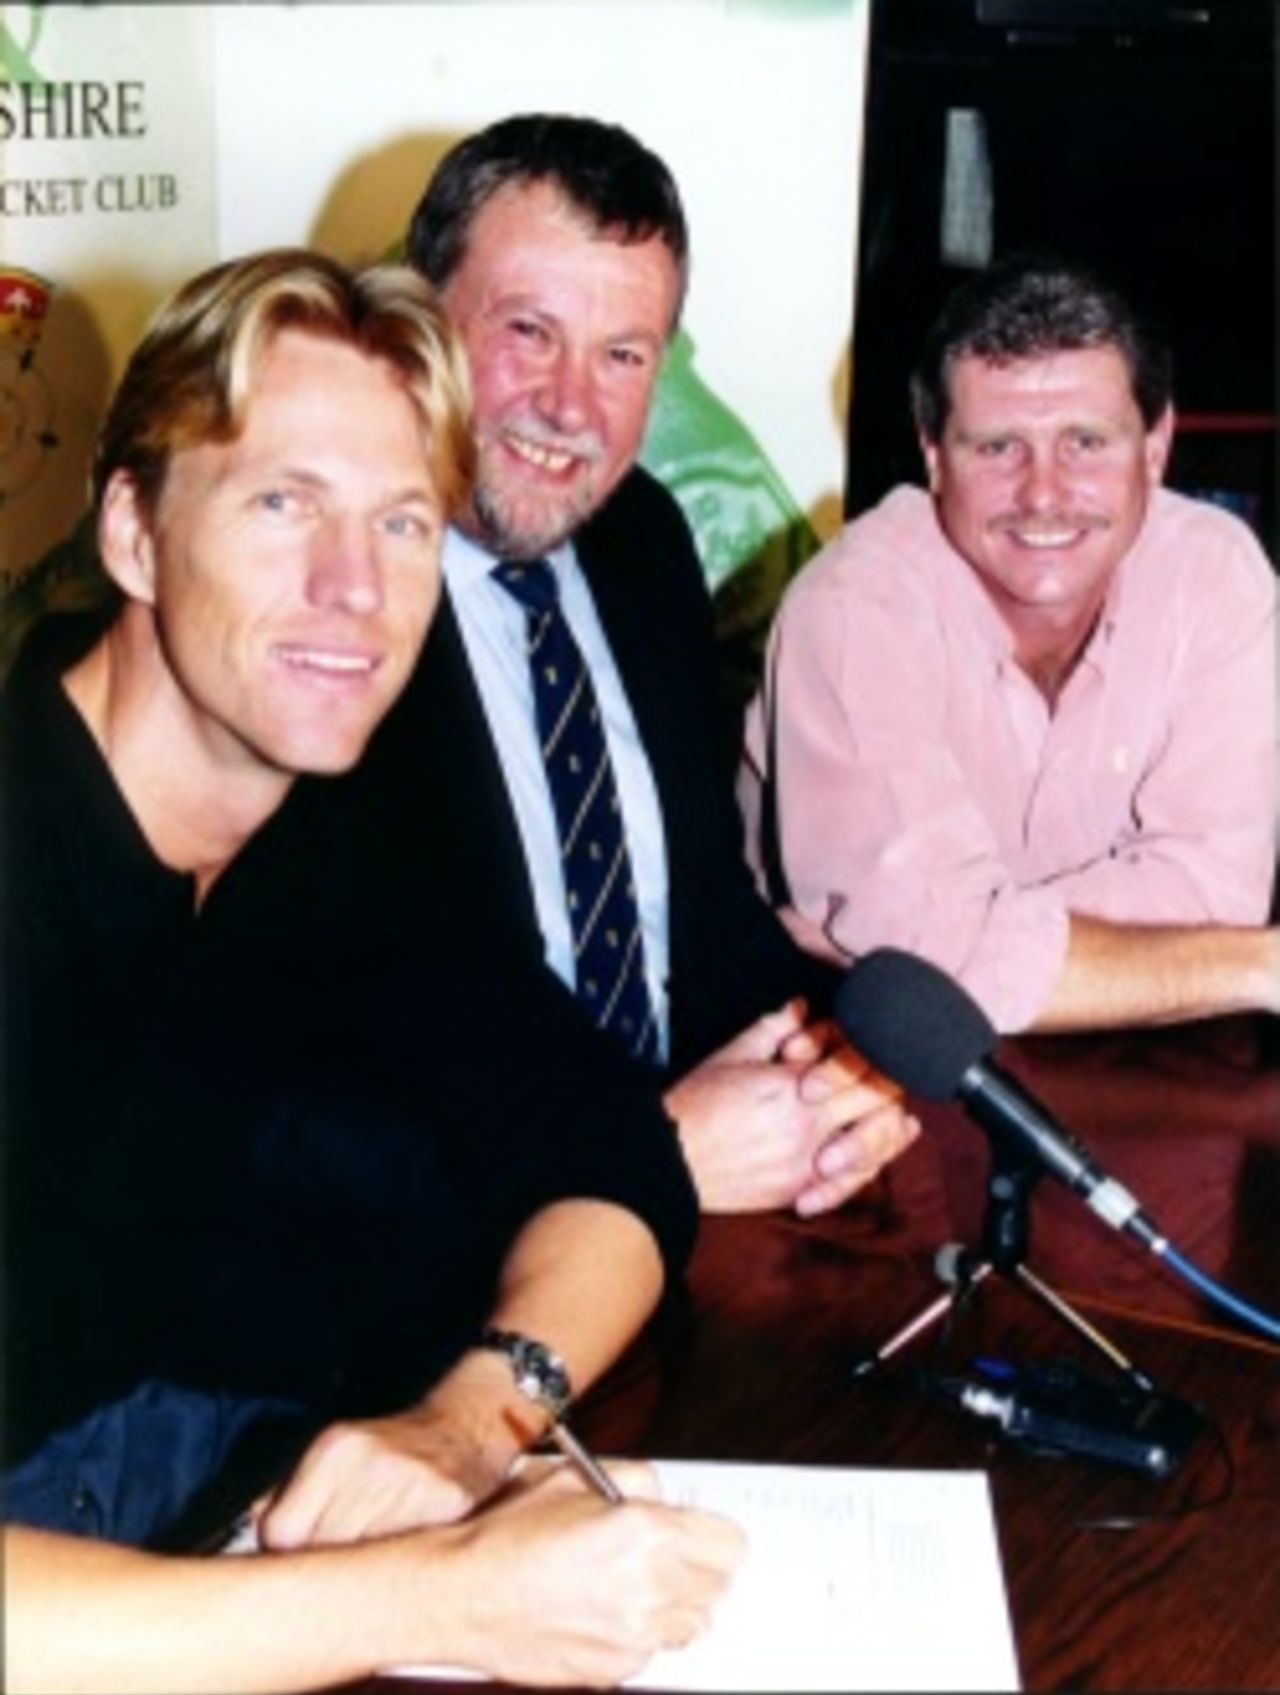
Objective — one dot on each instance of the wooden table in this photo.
(756, 1363)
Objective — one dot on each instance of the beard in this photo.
(516, 522)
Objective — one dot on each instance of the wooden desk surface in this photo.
(756, 1362)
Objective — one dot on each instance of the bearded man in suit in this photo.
(560, 250)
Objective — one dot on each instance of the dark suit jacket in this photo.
(435, 766)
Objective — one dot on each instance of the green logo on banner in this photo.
(751, 535)
(15, 55)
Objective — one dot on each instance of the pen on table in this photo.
(590, 1467)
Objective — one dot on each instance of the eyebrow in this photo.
(1023, 427)
(423, 494)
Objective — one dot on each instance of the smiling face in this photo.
(291, 572)
(1042, 479)
(565, 330)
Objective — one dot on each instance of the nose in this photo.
(1042, 480)
(345, 572)
(566, 396)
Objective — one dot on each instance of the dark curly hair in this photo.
(1027, 305)
(618, 185)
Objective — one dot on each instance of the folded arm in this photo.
(1127, 974)
(887, 842)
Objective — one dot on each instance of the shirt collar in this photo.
(467, 564)
(963, 597)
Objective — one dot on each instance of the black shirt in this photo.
(276, 1147)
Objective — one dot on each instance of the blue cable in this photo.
(1260, 1320)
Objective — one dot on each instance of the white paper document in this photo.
(854, 1579)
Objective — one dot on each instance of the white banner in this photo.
(141, 143)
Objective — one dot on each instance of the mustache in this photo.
(1048, 523)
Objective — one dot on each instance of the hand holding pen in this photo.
(572, 1447)
(541, 1377)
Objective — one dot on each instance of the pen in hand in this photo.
(590, 1467)
(540, 1376)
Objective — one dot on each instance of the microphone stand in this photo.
(1002, 1248)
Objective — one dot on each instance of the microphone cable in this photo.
(1217, 1292)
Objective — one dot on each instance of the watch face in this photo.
(539, 1374)
(541, 1377)
(543, 1386)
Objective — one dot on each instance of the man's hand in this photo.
(873, 1137)
(559, 1587)
(786, 1115)
(431, 1464)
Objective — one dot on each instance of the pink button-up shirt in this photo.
(927, 797)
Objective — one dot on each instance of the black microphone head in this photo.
(913, 1022)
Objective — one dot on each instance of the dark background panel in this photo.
(1134, 135)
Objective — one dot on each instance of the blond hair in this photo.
(189, 379)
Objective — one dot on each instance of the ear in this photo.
(1159, 445)
(931, 454)
(126, 544)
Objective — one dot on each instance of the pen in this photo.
(590, 1467)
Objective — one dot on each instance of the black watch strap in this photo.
(538, 1373)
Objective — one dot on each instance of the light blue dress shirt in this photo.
(492, 623)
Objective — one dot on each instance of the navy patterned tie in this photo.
(598, 882)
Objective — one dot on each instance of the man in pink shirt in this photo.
(1025, 724)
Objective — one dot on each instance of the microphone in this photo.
(920, 1028)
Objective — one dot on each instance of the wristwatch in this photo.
(539, 1374)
